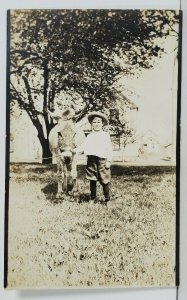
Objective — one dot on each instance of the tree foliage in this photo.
(80, 54)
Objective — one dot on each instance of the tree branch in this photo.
(33, 115)
(24, 53)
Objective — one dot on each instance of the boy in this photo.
(98, 148)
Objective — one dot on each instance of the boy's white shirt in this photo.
(97, 143)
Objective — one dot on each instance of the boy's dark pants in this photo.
(96, 171)
(93, 190)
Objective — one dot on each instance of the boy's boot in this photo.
(93, 190)
(106, 192)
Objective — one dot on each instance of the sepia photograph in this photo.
(92, 178)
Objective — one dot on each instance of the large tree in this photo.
(80, 52)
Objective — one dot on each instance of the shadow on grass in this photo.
(50, 190)
(47, 174)
(120, 170)
(84, 197)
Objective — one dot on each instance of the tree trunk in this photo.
(46, 153)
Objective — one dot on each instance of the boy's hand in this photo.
(107, 165)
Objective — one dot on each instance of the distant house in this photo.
(149, 143)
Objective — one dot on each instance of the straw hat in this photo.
(98, 114)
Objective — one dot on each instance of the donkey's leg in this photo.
(60, 174)
(65, 179)
(74, 174)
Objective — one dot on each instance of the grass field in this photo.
(71, 243)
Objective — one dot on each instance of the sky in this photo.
(156, 97)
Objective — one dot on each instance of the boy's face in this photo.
(97, 124)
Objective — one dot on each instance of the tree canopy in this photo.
(80, 54)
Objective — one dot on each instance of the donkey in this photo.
(63, 139)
